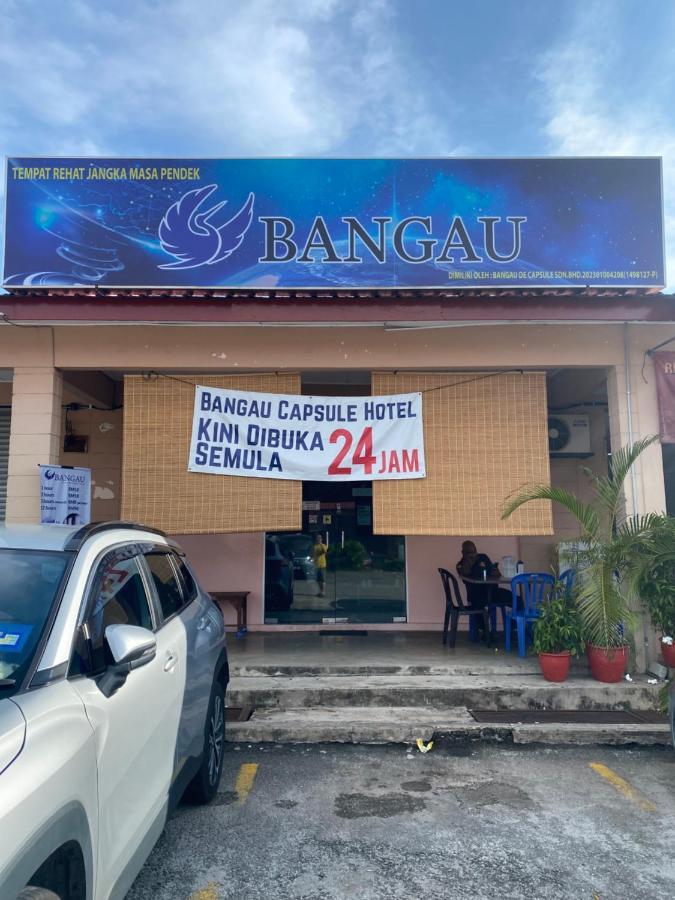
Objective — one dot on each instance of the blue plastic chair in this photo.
(568, 578)
(492, 611)
(528, 592)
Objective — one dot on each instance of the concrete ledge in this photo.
(440, 692)
(644, 735)
(505, 669)
(404, 725)
(503, 664)
(356, 725)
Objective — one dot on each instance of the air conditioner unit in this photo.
(569, 435)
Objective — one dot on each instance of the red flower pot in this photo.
(608, 664)
(555, 666)
(668, 654)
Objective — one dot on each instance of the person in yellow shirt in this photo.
(319, 553)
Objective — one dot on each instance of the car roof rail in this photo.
(83, 534)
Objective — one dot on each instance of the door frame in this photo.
(316, 626)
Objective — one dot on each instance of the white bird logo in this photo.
(189, 233)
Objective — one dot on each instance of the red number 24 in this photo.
(363, 454)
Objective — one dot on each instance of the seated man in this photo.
(472, 565)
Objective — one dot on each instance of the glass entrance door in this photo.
(364, 578)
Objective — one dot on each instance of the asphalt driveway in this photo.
(471, 821)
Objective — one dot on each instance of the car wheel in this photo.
(37, 893)
(203, 787)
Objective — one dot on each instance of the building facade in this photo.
(78, 368)
(463, 281)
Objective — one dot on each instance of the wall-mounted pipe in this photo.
(633, 474)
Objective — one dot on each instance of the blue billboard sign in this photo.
(334, 224)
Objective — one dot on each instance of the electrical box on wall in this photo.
(569, 436)
(75, 443)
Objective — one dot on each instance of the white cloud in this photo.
(300, 77)
(179, 78)
(587, 113)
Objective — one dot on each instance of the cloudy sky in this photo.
(340, 77)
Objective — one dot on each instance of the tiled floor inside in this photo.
(418, 652)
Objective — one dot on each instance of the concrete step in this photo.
(549, 733)
(404, 725)
(439, 692)
(501, 664)
(356, 725)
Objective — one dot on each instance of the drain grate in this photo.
(650, 718)
(238, 713)
(342, 632)
(571, 716)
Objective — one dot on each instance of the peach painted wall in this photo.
(235, 562)
(232, 349)
(269, 349)
(539, 553)
(229, 562)
(190, 349)
(103, 428)
(426, 601)
(224, 349)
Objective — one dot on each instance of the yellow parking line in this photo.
(245, 780)
(210, 892)
(621, 785)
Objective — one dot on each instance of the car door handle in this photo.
(170, 661)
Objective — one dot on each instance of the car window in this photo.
(297, 545)
(30, 583)
(118, 598)
(166, 583)
(189, 584)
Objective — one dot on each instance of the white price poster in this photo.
(65, 495)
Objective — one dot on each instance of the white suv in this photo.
(113, 672)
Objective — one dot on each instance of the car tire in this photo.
(203, 787)
(37, 893)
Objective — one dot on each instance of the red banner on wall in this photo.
(664, 365)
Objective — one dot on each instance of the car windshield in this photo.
(29, 584)
(297, 544)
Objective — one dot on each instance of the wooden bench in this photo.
(238, 600)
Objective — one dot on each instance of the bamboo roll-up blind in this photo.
(484, 440)
(157, 488)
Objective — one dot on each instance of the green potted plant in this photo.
(657, 592)
(352, 556)
(557, 635)
(615, 551)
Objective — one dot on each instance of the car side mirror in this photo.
(131, 647)
(131, 644)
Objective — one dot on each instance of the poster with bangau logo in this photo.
(65, 495)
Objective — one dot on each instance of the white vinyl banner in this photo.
(307, 438)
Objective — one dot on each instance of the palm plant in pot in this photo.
(557, 635)
(614, 553)
(657, 592)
